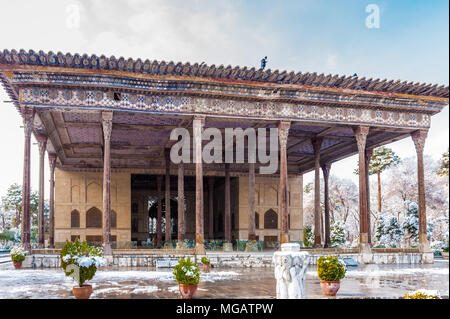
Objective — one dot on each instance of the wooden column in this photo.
(159, 215)
(51, 213)
(28, 118)
(211, 206)
(42, 144)
(168, 233)
(317, 144)
(181, 227)
(326, 174)
(251, 202)
(227, 204)
(419, 138)
(198, 124)
(283, 132)
(361, 133)
(107, 128)
(368, 156)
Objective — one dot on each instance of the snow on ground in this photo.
(52, 283)
(144, 283)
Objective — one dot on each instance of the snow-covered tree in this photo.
(443, 169)
(382, 158)
(338, 237)
(388, 231)
(411, 223)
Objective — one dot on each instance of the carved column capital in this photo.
(28, 119)
(283, 132)
(42, 143)
(317, 144)
(107, 124)
(52, 161)
(419, 138)
(326, 170)
(361, 133)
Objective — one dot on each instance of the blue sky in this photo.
(309, 36)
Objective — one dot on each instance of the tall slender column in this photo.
(168, 234)
(42, 144)
(199, 232)
(368, 156)
(326, 174)
(211, 206)
(227, 206)
(419, 138)
(159, 214)
(317, 144)
(361, 133)
(28, 118)
(51, 213)
(283, 132)
(251, 202)
(181, 229)
(107, 128)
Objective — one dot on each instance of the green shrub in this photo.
(331, 268)
(205, 260)
(80, 261)
(422, 294)
(186, 272)
(308, 236)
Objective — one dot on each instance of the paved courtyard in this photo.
(374, 281)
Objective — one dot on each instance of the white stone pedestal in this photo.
(290, 271)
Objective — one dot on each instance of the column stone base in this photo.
(424, 244)
(284, 238)
(199, 249)
(107, 250)
(428, 258)
(181, 245)
(366, 253)
(227, 247)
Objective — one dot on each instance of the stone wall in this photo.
(224, 260)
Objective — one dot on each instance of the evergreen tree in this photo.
(443, 170)
(388, 232)
(382, 158)
(337, 234)
(308, 236)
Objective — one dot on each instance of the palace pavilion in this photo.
(105, 124)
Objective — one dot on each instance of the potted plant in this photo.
(206, 264)
(330, 270)
(187, 275)
(18, 256)
(80, 261)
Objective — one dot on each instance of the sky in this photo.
(410, 42)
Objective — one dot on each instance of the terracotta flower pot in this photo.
(206, 267)
(17, 264)
(330, 288)
(187, 291)
(445, 255)
(83, 292)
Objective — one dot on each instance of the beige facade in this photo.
(83, 190)
(267, 199)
